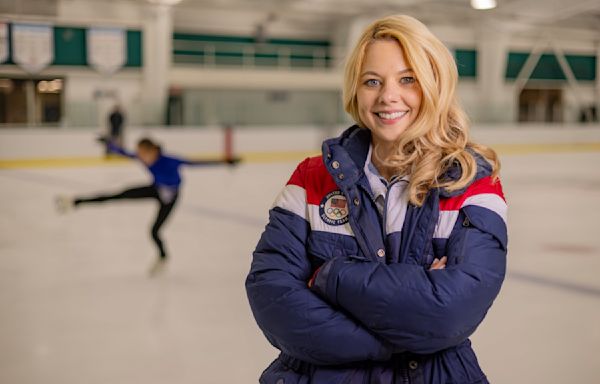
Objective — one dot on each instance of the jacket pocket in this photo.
(462, 367)
(279, 373)
(457, 243)
(339, 376)
(466, 230)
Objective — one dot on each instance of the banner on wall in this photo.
(32, 46)
(106, 49)
(3, 42)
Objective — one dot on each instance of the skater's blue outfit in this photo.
(164, 188)
(165, 170)
(376, 313)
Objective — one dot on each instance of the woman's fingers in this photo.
(439, 263)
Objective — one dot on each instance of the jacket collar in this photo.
(345, 157)
(484, 169)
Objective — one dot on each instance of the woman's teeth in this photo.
(392, 115)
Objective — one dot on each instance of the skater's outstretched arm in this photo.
(230, 161)
(121, 151)
(114, 148)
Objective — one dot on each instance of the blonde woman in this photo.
(383, 255)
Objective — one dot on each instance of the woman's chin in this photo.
(387, 135)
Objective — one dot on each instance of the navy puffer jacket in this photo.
(376, 313)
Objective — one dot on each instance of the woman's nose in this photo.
(390, 93)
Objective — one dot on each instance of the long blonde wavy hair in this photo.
(439, 136)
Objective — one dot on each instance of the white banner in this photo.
(3, 42)
(106, 49)
(32, 46)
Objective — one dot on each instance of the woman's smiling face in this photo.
(388, 94)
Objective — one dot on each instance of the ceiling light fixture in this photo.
(483, 4)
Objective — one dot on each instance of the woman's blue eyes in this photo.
(403, 80)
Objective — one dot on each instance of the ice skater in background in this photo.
(164, 188)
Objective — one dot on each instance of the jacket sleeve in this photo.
(293, 318)
(425, 311)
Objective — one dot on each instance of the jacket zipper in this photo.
(384, 215)
(405, 375)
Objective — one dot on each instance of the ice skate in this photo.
(158, 267)
(64, 204)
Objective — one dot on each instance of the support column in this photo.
(598, 80)
(492, 51)
(31, 102)
(345, 36)
(158, 40)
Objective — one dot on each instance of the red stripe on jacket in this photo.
(312, 175)
(483, 185)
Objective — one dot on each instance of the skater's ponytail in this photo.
(147, 143)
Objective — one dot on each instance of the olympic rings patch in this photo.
(334, 208)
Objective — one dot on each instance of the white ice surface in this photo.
(76, 305)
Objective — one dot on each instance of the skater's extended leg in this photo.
(163, 213)
(131, 193)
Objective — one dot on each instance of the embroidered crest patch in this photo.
(334, 208)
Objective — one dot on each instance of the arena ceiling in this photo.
(574, 14)
(306, 14)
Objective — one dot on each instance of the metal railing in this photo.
(216, 53)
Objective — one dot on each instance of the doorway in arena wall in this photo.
(541, 105)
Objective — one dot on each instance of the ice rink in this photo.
(77, 305)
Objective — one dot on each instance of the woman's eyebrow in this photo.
(378, 75)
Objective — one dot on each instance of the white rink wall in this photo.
(72, 142)
(41, 143)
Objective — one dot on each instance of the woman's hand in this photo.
(438, 263)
